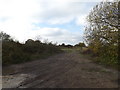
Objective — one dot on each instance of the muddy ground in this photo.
(65, 70)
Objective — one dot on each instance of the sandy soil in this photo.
(66, 70)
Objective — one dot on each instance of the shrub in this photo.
(14, 52)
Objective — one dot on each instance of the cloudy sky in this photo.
(60, 21)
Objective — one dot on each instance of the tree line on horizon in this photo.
(80, 44)
(14, 52)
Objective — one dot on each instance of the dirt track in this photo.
(66, 70)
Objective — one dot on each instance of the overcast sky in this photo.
(61, 21)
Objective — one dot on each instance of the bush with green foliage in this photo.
(14, 52)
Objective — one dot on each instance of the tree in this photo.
(4, 36)
(29, 41)
(80, 44)
(101, 32)
(103, 23)
(63, 45)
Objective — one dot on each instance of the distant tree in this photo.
(63, 45)
(29, 41)
(69, 46)
(80, 45)
(4, 36)
(38, 41)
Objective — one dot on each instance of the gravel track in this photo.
(66, 70)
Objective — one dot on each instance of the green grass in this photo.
(71, 49)
(100, 61)
(67, 49)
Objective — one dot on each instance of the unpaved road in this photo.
(66, 70)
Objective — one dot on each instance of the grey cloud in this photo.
(71, 9)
